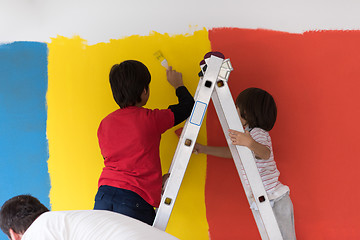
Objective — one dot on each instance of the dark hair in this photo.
(19, 212)
(258, 108)
(128, 80)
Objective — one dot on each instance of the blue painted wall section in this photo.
(23, 114)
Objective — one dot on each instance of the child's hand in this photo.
(164, 179)
(239, 138)
(198, 148)
(174, 78)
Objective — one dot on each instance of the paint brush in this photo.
(160, 57)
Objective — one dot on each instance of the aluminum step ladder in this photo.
(214, 75)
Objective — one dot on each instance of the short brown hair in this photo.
(128, 80)
(19, 212)
(258, 108)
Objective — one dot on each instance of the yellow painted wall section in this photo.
(79, 97)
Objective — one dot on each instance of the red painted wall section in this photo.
(315, 80)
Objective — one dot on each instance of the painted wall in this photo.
(54, 92)
(314, 80)
(79, 96)
(23, 143)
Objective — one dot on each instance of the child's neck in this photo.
(139, 104)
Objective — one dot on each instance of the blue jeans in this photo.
(125, 202)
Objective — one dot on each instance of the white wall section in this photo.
(99, 21)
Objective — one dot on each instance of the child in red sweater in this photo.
(129, 139)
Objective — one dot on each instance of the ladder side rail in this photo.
(226, 69)
(177, 171)
(183, 151)
(181, 137)
(225, 128)
(244, 158)
(237, 161)
(173, 184)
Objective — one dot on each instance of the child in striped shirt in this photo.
(257, 111)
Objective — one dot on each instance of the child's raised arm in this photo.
(183, 109)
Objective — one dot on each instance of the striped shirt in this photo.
(267, 168)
